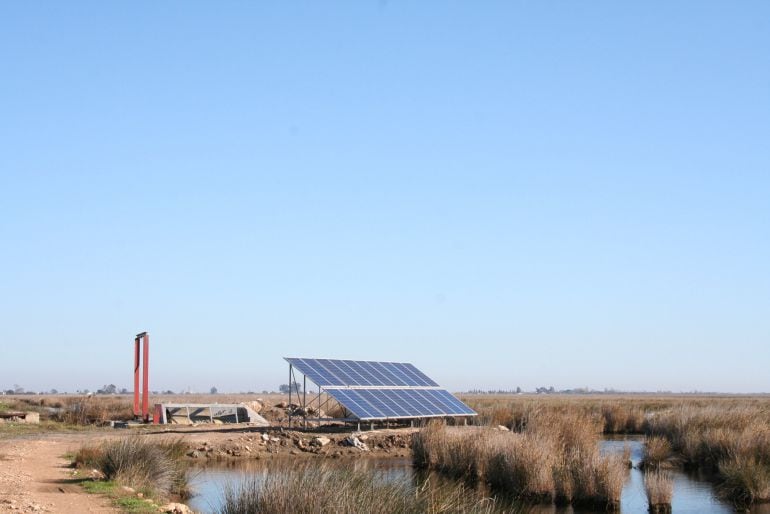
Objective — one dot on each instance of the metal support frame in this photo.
(291, 374)
(304, 399)
(142, 349)
(304, 402)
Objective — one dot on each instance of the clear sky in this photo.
(505, 194)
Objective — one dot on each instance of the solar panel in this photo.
(381, 390)
(329, 372)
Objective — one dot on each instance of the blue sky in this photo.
(505, 194)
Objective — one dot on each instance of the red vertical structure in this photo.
(144, 337)
(136, 377)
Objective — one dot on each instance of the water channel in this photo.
(693, 493)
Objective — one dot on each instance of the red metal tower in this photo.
(145, 412)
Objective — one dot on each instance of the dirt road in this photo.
(34, 477)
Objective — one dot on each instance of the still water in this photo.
(692, 493)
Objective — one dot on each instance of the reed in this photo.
(554, 458)
(153, 466)
(746, 479)
(657, 452)
(731, 439)
(659, 487)
(311, 489)
(618, 416)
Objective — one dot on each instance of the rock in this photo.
(356, 443)
(32, 418)
(256, 406)
(281, 405)
(320, 441)
(128, 489)
(177, 508)
(503, 428)
(218, 422)
(194, 454)
(265, 437)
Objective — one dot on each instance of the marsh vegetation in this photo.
(728, 437)
(309, 488)
(554, 458)
(156, 468)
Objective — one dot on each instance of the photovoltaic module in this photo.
(381, 390)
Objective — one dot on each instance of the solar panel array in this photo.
(381, 390)
(400, 403)
(333, 372)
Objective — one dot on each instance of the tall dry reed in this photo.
(554, 458)
(657, 452)
(312, 488)
(731, 439)
(659, 487)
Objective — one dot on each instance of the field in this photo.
(537, 448)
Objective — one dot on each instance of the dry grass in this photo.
(746, 479)
(94, 410)
(618, 415)
(153, 466)
(731, 439)
(311, 489)
(657, 452)
(728, 435)
(659, 487)
(554, 458)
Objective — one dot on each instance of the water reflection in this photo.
(692, 493)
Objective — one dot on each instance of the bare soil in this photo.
(36, 477)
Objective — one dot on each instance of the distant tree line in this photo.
(575, 390)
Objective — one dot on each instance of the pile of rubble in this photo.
(266, 444)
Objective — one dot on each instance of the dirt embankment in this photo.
(279, 443)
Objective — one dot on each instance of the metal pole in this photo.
(146, 379)
(289, 395)
(304, 398)
(136, 376)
